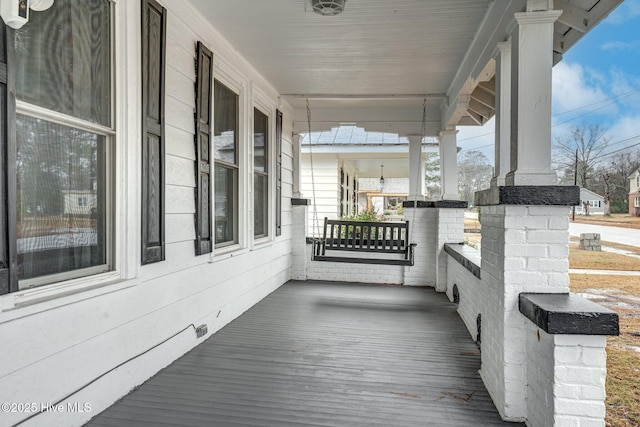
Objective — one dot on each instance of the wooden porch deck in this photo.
(326, 354)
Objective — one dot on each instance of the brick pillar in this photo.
(435, 224)
(423, 231)
(524, 249)
(450, 229)
(299, 256)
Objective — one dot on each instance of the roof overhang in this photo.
(381, 62)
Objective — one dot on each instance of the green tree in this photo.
(474, 174)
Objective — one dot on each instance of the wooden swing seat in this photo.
(381, 238)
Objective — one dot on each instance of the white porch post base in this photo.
(450, 229)
(565, 378)
(524, 249)
(529, 177)
(299, 258)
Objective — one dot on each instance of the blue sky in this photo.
(598, 81)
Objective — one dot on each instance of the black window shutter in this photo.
(8, 274)
(278, 172)
(154, 24)
(204, 74)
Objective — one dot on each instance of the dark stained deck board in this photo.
(325, 354)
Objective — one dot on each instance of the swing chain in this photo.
(417, 188)
(316, 226)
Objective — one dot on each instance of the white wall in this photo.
(58, 338)
(323, 189)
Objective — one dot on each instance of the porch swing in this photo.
(389, 243)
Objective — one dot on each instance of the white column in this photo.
(416, 168)
(296, 165)
(449, 165)
(503, 114)
(532, 59)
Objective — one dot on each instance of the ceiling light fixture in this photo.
(381, 175)
(15, 13)
(328, 7)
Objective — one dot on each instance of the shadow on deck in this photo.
(315, 353)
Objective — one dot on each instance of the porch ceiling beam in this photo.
(573, 16)
(365, 96)
(401, 120)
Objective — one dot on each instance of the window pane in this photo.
(225, 204)
(61, 198)
(63, 58)
(260, 210)
(225, 123)
(260, 125)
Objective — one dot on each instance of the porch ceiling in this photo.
(374, 63)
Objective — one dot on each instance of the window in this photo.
(226, 110)
(637, 202)
(64, 142)
(260, 174)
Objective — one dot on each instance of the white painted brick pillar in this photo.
(565, 378)
(450, 229)
(299, 258)
(423, 231)
(523, 249)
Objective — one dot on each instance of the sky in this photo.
(597, 82)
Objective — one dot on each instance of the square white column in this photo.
(416, 168)
(503, 114)
(532, 60)
(449, 165)
(296, 165)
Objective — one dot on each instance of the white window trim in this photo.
(109, 132)
(225, 74)
(266, 107)
(124, 249)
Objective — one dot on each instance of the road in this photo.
(625, 236)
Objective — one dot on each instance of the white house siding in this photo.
(129, 324)
(326, 186)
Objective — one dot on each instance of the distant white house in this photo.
(634, 194)
(590, 203)
(347, 165)
(79, 202)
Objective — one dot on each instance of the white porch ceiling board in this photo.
(374, 47)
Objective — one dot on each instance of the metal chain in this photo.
(316, 226)
(415, 200)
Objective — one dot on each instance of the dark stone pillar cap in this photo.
(568, 314)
